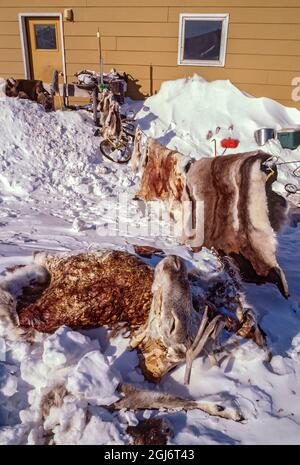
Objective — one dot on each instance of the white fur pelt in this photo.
(139, 154)
(11, 287)
(3, 84)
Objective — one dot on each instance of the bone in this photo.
(141, 399)
(198, 346)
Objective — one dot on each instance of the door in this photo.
(44, 47)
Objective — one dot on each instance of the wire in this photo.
(289, 187)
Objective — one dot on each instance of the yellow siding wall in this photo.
(263, 50)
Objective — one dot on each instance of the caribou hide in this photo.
(29, 89)
(161, 308)
(240, 211)
(164, 172)
(110, 118)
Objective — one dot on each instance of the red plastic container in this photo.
(229, 143)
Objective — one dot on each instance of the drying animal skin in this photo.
(29, 89)
(91, 290)
(163, 171)
(231, 205)
(238, 205)
(110, 118)
(161, 307)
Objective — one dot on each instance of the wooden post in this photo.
(100, 56)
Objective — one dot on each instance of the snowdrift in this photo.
(186, 111)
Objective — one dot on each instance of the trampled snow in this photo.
(58, 194)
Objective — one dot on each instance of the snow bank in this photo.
(49, 152)
(185, 111)
(54, 386)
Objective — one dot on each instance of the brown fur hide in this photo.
(87, 291)
(112, 126)
(164, 173)
(30, 89)
(105, 99)
(110, 118)
(238, 204)
(241, 212)
(118, 289)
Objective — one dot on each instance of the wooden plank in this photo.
(116, 14)
(197, 3)
(11, 68)
(89, 43)
(176, 72)
(264, 31)
(10, 42)
(274, 92)
(122, 57)
(128, 29)
(37, 3)
(274, 62)
(247, 76)
(281, 77)
(240, 46)
(235, 61)
(264, 47)
(9, 27)
(8, 55)
(163, 44)
(245, 15)
(11, 14)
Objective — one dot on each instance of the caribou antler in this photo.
(205, 330)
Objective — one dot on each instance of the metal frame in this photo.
(224, 17)
(24, 42)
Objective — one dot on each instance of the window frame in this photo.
(224, 17)
(40, 49)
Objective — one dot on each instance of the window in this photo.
(45, 36)
(202, 39)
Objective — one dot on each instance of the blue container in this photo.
(289, 138)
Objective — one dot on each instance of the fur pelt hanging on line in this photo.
(240, 214)
(110, 118)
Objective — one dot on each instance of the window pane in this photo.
(202, 40)
(45, 36)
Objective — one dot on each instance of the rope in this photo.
(289, 187)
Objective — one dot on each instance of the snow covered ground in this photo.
(57, 194)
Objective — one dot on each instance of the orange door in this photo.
(44, 44)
